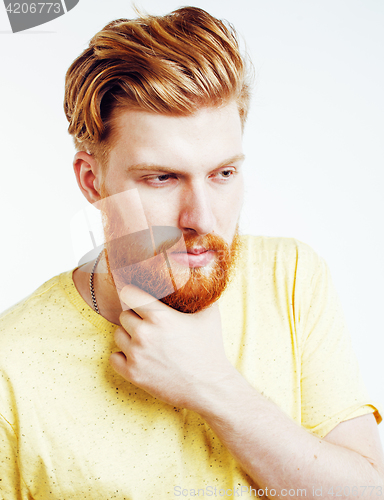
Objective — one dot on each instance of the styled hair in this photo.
(173, 64)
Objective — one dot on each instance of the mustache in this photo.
(142, 245)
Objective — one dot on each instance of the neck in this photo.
(106, 295)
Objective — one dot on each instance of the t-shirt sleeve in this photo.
(332, 389)
(11, 486)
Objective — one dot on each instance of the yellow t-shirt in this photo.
(71, 428)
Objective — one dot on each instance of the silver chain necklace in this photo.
(91, 287)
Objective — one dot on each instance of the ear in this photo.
(88, 175)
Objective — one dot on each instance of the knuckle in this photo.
(118, 332)
(132, 373)
(141, 336)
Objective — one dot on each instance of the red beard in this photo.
(144, 260)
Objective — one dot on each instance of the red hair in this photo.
(171, 64)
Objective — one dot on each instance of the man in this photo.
(255, 393)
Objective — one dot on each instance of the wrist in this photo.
(222, 394)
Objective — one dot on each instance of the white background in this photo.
(314, 144)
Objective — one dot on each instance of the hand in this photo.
(176, 357)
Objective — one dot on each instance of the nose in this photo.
(196, 213)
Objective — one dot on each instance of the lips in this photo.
(194, 257)
(196, 250)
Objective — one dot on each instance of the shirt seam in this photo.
(17, 455)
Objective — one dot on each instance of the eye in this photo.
(226, 173)
(159, 180)
(162, 178)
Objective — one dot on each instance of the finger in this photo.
(130, 321)
(141, 302)
(122, 339)
(119, 363)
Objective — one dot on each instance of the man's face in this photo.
(187, 172)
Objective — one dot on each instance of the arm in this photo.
(279, 454)
(180, 359)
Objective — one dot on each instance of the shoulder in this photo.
(279, 253)
(34, 309)
(280, 246)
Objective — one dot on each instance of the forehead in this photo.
(206, 137)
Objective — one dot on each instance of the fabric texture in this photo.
(71, 428)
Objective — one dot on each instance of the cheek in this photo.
(232, 203)
(238, 200)
(160, 210)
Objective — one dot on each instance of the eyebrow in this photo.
(161, 168)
